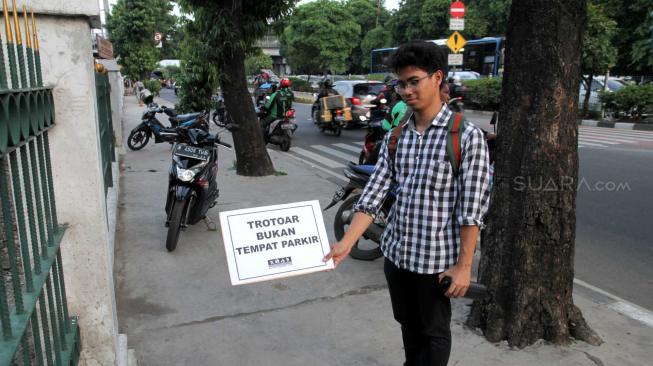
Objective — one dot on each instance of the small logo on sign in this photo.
(279, 262)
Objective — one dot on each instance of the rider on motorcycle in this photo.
(279, 102)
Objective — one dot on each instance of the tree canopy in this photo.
(599, 54)
(319, 37)
(131, 27)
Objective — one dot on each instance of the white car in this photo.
(598, 84)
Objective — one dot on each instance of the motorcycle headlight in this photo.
(185, 175)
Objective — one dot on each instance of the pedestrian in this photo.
(139, 89)
(435, 221)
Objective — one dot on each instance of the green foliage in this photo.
(301, 85)
(131, 27)
(634, 21)
(378, 37)
(256, 61)
(484, 94)
(598, 52)
(171, 72)
(494, 13)
(154, 86)
(369, 15)
(633, 99)
(429, 19)
(320, 36)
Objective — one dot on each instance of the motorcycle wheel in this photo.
(361, 158)
(365, 250)
(174, 227)
(315, 116)
(285, 145)
(337, 131)
(138, 139)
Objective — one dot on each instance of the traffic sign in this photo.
(455, 59)
(457, 24)
(456, 41)
(457, 9)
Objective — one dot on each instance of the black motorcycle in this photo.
(280, 131)
(220, 116)
(151, 126)
(192, 182)
(366, 249)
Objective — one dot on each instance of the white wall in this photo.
(68, 66)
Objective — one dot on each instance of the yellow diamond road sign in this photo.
(456, 42)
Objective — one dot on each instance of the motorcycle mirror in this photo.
(384, 101)
(232, 127)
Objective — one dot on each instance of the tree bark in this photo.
(588, 93)
(252, 158)
(528, 259)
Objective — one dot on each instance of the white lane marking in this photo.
(632, 138)
(320, 159)
(334, 152)
(348, 147)
(327, 171)
(622, 306)
(620, 140)
(599, 140)
(358, 143)
(612, 138)
(584, 143)
(644, 134)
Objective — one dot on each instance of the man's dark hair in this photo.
(424, 55)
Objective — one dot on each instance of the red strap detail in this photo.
(455, 138)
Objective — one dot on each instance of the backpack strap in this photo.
(454, 133)
(394, 138)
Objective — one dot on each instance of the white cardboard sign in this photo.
(457, 24)
(455, 59)
(266, 243)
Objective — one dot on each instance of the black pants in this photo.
(424, 314)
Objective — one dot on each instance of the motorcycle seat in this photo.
(361, 169)
(185, 117)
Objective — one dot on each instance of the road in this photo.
(614, 250)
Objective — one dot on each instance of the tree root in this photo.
(579, 329)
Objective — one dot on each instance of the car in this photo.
(359, 95)
(598, 84)
(464, 75)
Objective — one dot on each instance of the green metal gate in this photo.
(36, 326)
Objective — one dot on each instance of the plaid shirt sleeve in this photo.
(377, 187)
(474, 179)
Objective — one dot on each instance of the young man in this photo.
(435, 221)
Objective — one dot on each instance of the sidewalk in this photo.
(180, 309)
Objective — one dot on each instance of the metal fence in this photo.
(36, 326)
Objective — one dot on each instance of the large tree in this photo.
(429, 19)
(131, 26)
(320, 37)
(598, 53)
(634, 19)
(369, 14)
(527, 261)
(227, 29)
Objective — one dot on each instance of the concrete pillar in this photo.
(64, 29)
(117, 92)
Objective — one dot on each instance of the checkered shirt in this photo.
(423, 231)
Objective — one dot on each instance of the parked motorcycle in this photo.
(375, 133)
(220, 116)
(150, 126)
(280, 131)
(192, 182)
(368, 247)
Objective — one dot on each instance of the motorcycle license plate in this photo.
(288, 126)
(339, 194)
(192, 152)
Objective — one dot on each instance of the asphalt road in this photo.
(614, 250)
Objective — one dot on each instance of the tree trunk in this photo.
(252, 157)
(588, 93)
(528, 259)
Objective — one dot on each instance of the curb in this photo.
(619, 125)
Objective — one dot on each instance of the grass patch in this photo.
(279, 173)
(304, 100)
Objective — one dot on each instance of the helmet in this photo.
(265, 76)
(328, 83)
(285, 83)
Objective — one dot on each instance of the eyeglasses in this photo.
(412, 84)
